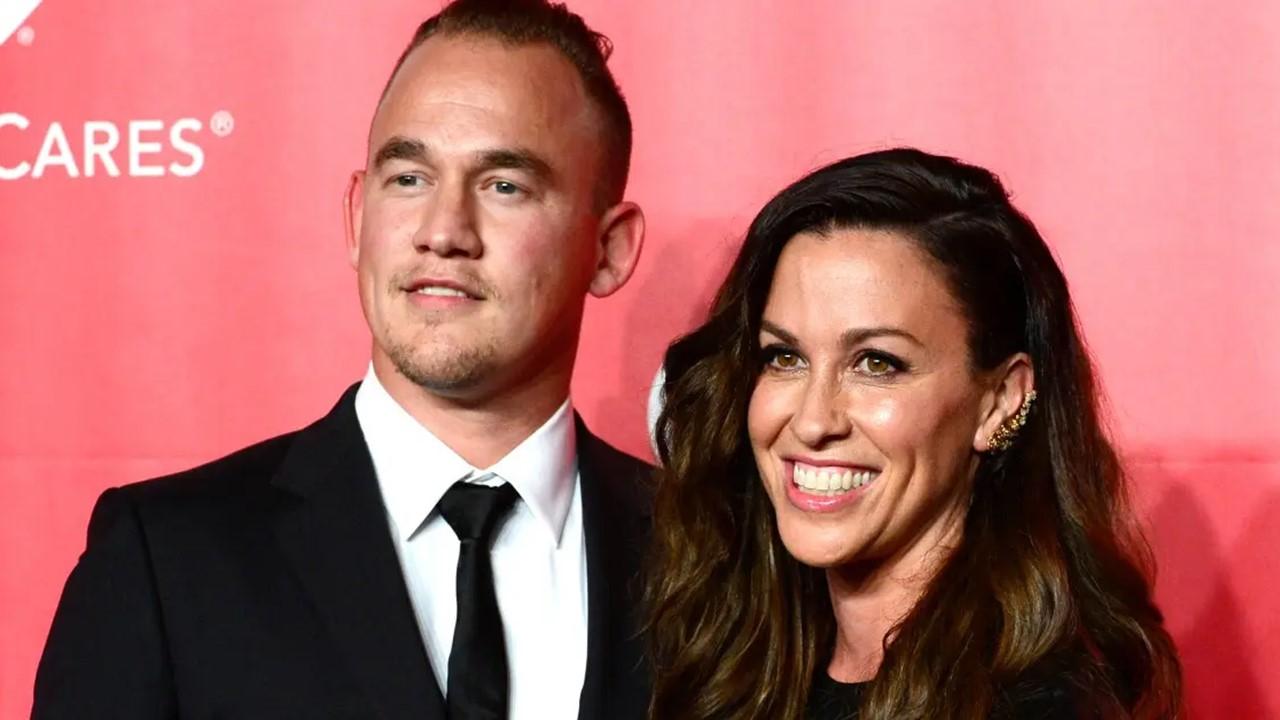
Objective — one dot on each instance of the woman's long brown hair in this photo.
(1051, 582)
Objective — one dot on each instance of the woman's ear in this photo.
(1012, 387)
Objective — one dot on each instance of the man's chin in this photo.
(454, 374)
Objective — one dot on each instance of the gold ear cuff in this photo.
(1005, 435)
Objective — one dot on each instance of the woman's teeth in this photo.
(829, 481)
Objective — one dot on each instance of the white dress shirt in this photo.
(539, 558)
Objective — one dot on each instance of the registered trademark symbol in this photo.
(222, 123)
(26, 35)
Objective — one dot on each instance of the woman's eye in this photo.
(779, 359)
(876, 365)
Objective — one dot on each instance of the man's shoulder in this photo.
(628, 479)
(244, 471)
(247, 472)
(610, 457)
(220, 499)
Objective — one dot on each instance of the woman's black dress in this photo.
(831, 700)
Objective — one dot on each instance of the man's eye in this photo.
(506, 188)
(407, 180)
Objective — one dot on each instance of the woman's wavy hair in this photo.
(1052, 578)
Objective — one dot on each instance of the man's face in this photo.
(474, 228)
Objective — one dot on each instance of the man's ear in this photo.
(621, 236)
(353, 212)
(1014, 381)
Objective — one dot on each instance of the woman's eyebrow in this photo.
(857, 336)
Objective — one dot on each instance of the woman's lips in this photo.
(814, 486)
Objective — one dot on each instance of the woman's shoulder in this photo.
(1042, 697)
(831, 700)
(1046, 697)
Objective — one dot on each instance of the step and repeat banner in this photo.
(173, 281)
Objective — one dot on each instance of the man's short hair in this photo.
(523, 22)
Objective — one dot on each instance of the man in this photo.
(345, 570)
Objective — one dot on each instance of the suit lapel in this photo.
(615, 522)
(337, 538)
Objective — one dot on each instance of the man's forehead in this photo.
(478, 71)
(525, 89)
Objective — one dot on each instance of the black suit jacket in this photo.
(266, 585)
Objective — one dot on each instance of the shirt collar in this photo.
(414, 468)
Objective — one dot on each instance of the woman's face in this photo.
(866, 414)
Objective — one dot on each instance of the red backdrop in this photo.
(173, 283)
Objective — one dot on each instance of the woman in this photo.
(886, 489)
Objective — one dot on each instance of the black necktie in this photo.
(478, 660)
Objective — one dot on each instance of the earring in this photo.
(1002, 439)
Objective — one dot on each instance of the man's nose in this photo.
(822, 416)
(448, 223)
